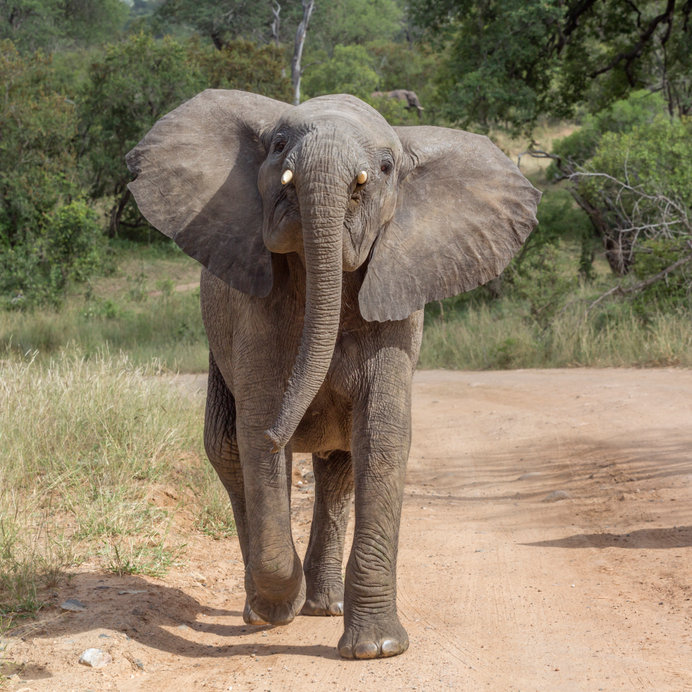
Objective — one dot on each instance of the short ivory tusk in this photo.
(286, 176)
(362, 177)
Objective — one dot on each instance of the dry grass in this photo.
(85, 443)
(503, 336)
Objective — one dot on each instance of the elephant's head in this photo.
(431, 212)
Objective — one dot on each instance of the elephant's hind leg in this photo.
(324, 557)
(221, 445)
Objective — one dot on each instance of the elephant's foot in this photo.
(327, 599)
(323, 607)
(378, 639)
(260, 611)
(250, 617)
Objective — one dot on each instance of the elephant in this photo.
(410, 98)
(323, 232)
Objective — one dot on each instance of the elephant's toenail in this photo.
(366, 650)
(390, 647)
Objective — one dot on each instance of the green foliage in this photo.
(393, 110)
(405, 66)
(510, 61)
(132, 84)
(353, 22)
(640, 108)
(47, 24)
(47, 233)
(221, 22)
(496, 71)
(638, 185)
(242, 65)
(351, 70)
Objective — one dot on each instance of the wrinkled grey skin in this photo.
(410, 98)
(312, 298)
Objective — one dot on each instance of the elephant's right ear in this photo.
(197, 182)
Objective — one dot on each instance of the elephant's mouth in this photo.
(282, 228)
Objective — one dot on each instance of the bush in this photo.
(351, 70)
(69, 247)
(47, 233)
(638, 185)
(640, 108)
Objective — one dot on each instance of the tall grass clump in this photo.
(84, 442)
(505, 334)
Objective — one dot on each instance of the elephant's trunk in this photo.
(323, 205)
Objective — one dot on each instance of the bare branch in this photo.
(633, 53)
(620, 290)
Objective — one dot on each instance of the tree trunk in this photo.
(296, 70)
(276, 22)
(117, 212)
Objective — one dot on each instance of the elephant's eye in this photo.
(386, 167)
(279, 145)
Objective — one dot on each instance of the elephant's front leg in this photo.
(274, 580)
(381, 441)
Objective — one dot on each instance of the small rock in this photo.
(309, 477)
(556, 496)
(131, 592)
(95, 658)
(72, 604)
(138, 663)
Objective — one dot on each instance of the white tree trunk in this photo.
(296, 71)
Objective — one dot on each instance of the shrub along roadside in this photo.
(85, 443)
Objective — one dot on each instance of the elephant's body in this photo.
(369, 376)
(410, 98)
(324, 232)
(362, 352)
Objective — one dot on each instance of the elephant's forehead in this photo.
(346, 114)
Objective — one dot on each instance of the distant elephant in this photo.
(323, 232)
(404, 95)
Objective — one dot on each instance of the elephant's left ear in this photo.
(463, 211)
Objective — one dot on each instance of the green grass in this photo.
(136, 310)
(88, 447)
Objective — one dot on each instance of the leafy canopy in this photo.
(511, 60)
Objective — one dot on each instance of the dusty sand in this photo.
(546, 544)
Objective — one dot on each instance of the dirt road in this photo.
(546, 544)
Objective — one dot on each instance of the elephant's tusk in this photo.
(362, 177)
(286, 176)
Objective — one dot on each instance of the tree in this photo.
(47, 233)
(296, 61)
(131, 86)
(47, 24)
(510, 61)
(220, 21)
(350, 71)
(137, 81)
(242, 65)
(354, 22)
